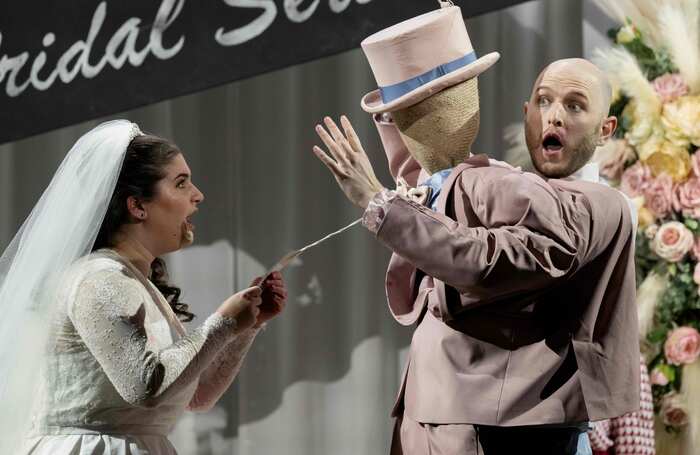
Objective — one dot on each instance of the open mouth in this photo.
(552, 144)
(188, 229)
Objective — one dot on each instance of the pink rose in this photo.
(635, 179)
(658, 195)
(686, 197)
(670, 86)
(672, 241)
(657, 377)
(673, 410)
(682, 346)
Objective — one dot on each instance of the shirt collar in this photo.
(588, 173)
(434, 182)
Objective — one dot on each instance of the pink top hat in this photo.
(419, 57)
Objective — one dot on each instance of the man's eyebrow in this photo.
(579, 94)
(184, 174)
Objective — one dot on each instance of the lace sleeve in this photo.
(217, 378)
(108, 313)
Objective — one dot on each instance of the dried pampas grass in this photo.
(669, 25)
(624, 72)
(678, 28)
(648, 296)
(642, 13)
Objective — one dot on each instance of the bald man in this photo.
(566, 118)
(521, 286)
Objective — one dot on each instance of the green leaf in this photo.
(657, 335)
(641, 51)
(616, 109)
(672, 269)
(668, 370)
(691, 224)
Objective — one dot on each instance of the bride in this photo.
(94, 358)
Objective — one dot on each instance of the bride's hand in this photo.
(243, 306)
(274, 297)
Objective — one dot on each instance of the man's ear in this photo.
(525, 106)
(607, 129)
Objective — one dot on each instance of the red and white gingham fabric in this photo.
(630, 434)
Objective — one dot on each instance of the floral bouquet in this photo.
(654, 68)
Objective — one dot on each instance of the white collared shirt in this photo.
(588, 173)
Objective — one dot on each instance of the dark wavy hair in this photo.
(145, 158)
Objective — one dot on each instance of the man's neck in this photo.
(589, 173)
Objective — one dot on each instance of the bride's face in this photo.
(169, 212)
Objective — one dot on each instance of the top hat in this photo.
(419, 57)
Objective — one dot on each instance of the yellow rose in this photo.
(652, 143)
(681, 119)
(670, 159)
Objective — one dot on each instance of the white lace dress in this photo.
(114, 381)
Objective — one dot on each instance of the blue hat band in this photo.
(395, 91)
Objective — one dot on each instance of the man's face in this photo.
(566, 118)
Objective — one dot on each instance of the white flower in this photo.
(651, 230)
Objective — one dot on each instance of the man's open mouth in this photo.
(552, 142)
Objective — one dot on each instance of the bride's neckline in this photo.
(126, 262)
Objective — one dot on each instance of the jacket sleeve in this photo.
(108, 313)
(524, 236)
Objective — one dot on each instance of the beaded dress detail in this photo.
(121, 368)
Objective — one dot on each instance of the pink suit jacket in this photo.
(522, 291)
